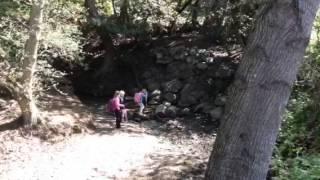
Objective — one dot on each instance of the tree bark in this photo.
(185, 5)
(114, 8)
(124, 15)
(92, 10)
(25, 95)
(93, 15)
(260, 91)
(194, 13)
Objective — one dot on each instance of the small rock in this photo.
(216, 113)
(156, 92)
(170, 97)
(167, 104)
(185, 112)
(165, 60)
(202, 66)
(76, 129)
(171, 112)
(209, 59)
(203, 107)
(189, 59)
(159, 55)
(172, 86)
(153, 86)
(153, 102)
(220, 101)
(161, 110)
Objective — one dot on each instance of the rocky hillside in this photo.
(181, 75)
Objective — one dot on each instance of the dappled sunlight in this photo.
(119, 156)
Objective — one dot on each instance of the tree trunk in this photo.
(114, 8)
(261, 89)
(92, 10)
(194, 14)
(93, 15)
(124, 15)
(25, 94)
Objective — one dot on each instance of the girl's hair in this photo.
(122, 93)
(116, 93)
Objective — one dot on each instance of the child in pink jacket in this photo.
(116, 108)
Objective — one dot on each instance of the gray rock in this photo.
(161, 110)
(171, 112)
(165, 60)
(216, 113)
(156, 98)
(166, 104)
(193, 51)
(185, 112)
(202, 66)
(2, 103)
(155, 92)
(147, 75)
(187, 97)
(179, 70)
(153, 102)
(172, 86)
(209, 59)
(189, 59)
(159, 55)
(203, 107)
(153, 86)
(220, 101)
(223, 72)
(170, 97)
(177, 52)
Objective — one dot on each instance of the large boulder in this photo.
(153, 85)
(170, 97)
(180, 70)
(173, 86)
(177, 52)
(190, 95)
(171, 112)
(161, 111)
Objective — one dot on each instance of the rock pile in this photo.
(188, 79)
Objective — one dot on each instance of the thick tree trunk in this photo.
(25, 94)
(94, 17)
(261, 89)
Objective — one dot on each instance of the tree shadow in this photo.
(11, 125)
(168, 166)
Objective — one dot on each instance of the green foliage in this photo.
(305, 167)
(14, 15)
(297, 153)
(61, 33)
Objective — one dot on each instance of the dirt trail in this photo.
(149, 150)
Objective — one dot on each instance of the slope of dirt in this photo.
(147, 150)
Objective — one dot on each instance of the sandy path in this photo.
(137, 151)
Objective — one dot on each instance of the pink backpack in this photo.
(137, 97)
(111, 105)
